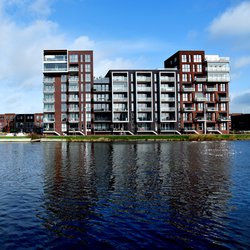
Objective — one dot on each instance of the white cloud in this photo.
(233, 22)
(242, 62)
(22, 45)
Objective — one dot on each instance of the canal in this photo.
(125, 195)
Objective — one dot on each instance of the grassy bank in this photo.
(108, 138)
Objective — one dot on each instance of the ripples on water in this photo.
(167, 195)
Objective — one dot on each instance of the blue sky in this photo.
(123, 34)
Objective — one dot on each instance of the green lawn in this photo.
(209, 137)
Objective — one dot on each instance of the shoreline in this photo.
(126, 138)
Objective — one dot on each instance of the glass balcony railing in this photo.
(52, 58)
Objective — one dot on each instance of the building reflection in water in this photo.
(96, 186)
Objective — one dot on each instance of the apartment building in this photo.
(67, 83)
(189, 95)
(203, 96)
(136, 101)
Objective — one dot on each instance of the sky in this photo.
(127, 34)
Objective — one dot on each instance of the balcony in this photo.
(72, 99)
(200, 119)
(73, 109)
(212, 129)
(167, 79)
(224, 99)
(144, 109)
(120, 89)
(102, 110)
(224, 119)
(73, 88)
(211, 89)
(188, 89)
(200, 99)
(212, 109)
(48, 120)
(55, 58)
(144, 89)
(49, 100)
(218, 79)
(120, 110)
(119, 79)
(55, 67)
(101, 100)
(189, 109)
(167, 109)
(200, 79)
(48, 90)
(47, 110)
(48, 80)
(144, 99)
(120, 99)
(167, 99)
(73, 69)
(73, 79)
(143, 79)
(218, 69)
(73, 120)
(167, 89)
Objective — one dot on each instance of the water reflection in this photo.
(150, 194)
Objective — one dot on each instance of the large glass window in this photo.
(87, 58)
(73, 58)
(87, 68)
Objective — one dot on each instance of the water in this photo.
(152, 195)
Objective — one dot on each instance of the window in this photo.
(88, 117)
(185, 116)
(199, 87)
(63, 87)
(73, 58)
(63, 78)
(64, 127)
(88, 107)
(87, 87)
(197, 58)
(64, 117)
(185, 97)
(186, 67)
(87, 58)
(87, 68)
(223, 107)
(223, 126)
(184, 58)
(223, 87)
(199, 68)
(184, 77)
(63, 97)
(200, 106)
(88, 97)
(87, 77)
(63, 107)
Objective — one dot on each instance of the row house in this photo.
(21, 122)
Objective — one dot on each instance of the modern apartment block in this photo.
(67, 84)
(189, 95)
(203, 97)
(136, 101)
